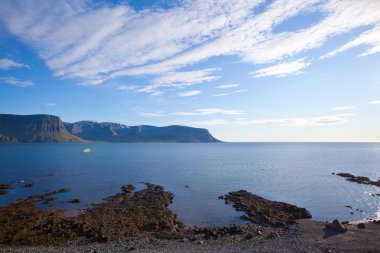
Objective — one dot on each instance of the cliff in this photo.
(34, 128)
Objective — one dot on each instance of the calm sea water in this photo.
(298, 173)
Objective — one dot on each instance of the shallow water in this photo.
(298, 173)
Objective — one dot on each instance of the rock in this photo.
(262, 211)
(3, 192)
(348, 206)
(74, 201)
(249, 236)
(201, 242)
(328, 251)
(184, 239)
(359, 179)
(345, 222)
(30, 185)
(336, 226)
(361, 226)
(5, 186)
(128, 188)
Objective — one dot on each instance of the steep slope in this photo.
(34, 128)
(113, 132)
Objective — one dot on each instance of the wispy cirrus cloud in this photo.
(229, 93)
(179, 79)
(227, 86)
(374, 102)
(50, 104)
(127, 87)
(16, 82)
(209, 111)
(189, 93)
(370, 38)
(282, 69)
(8, 64)
(308, 121)
(92, 43)
(151, 114)
(343, 108)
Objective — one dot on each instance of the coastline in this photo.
(158, 230)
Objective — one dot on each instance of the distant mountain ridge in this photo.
(49, 128)
(114, 132)
(34, 128)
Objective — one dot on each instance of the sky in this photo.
(247, 70)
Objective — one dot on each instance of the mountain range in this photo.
(49, 128)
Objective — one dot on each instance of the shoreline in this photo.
(142, 221)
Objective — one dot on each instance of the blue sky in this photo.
(253, 70)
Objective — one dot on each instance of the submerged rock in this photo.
(74, 201)
(359, 179)
(262, 211)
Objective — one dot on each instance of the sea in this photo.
(197, 173)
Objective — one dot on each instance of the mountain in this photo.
(49, 128)
(113, 132)
(34, 128)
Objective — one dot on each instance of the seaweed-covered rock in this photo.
(266, 212)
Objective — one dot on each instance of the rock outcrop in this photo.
(34, 128)
(265, 212)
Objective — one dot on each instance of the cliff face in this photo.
(113, 132)
(34, 128)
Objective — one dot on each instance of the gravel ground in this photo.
(307, 236)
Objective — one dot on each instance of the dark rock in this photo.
(249, 236)
(122, 215)
(30, 185)
(336, 226)
(74, 201)
(361, 225)
(5, 186)
(262, 211)
(359, 179)
(3, 192)
(128, 188)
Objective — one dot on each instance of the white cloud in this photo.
(282, 69)
(174, 80)
(370, 38)
(227, 86)
(151, 114)
(375, 102)
(50, 104)
(312, 121)
(89, 43)
(209, 111)
(189, 93)
(16, 82)
(92, 43)
(342, 108)
(7, 64)
(128, 87)
(229, 93)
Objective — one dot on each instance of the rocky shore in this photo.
(359, 179)
(141, 221)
